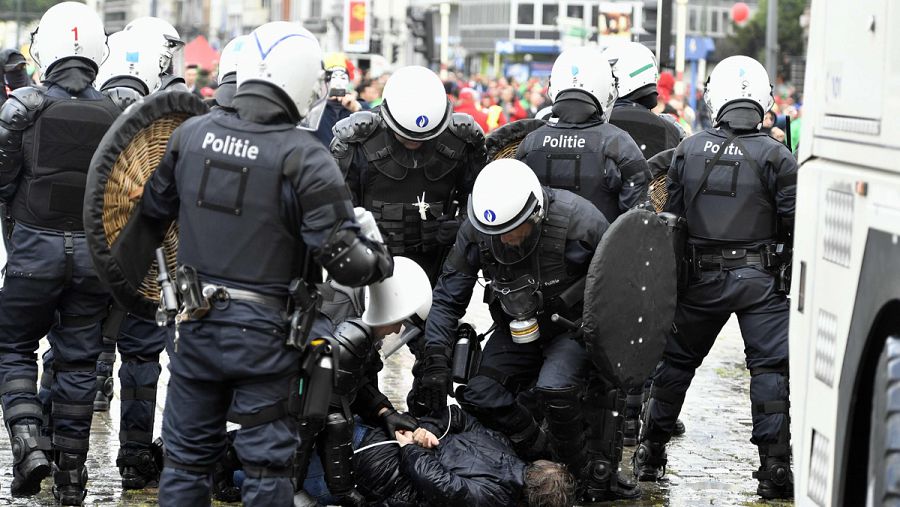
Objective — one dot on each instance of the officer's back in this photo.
(580, 150)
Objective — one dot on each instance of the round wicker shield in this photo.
(503, 142)
(125, 159)
(659, 194)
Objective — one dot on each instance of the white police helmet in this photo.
(415, 104)
(738, 78)
(167, 40)
(585, 69)
(633, 65)
(395, 299)
(506, 193)
(130, 54)
(288, 56)
(69, 30)
(228, 62)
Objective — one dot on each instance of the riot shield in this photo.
(125, 159)
(629, 298)
(502, 143)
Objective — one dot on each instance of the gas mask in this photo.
(522, 301)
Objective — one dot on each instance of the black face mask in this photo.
(17, 78)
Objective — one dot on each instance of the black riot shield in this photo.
(629, 298)
(502, 142)
(125, 159)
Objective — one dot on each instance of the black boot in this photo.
(70, 478)
(30, 462)
(565, 422)
(632, 427)
(679, 428)
(649, 461)
(601, 481)
(138, 467)
(105, 388)
(776, 480)
(223, 487)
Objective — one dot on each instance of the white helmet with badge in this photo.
(506, 193)
(131, 55)
(633, 65)
(228, 62)
(415, 105)
(587, 70)
(738, 78)
(288, 56)
(167, 40)
(69, 30)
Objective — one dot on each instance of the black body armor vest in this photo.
(733, 203)
(397, 179)
(57, 154)
(232, 194)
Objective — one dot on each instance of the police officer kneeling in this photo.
(532, 243)
(736, 187)
(251, 193)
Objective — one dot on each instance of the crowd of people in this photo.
(321, 209)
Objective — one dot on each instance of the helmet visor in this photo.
(313, 116)
(516, 245)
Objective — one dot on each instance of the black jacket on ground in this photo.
(473, 467)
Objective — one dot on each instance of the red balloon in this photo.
(740, 12)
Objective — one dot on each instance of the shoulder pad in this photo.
(466, 128)
(353, 335)
(23, 105)
(357, 127)
(122, 96)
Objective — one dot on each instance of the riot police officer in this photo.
(49, 135)
(636, 72)
(228, 72)
(736, 188)
(534, 245)
(581, 151)
(168, 44)
(234, 182)
(409, 161)
(354, 349)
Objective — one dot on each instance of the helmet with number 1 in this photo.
(69, 30)
(585, 69)
(131, 55)
(228, 62)
(415, 105)
(288, 56)
(738, 78)
(166, 38)
(634, 66)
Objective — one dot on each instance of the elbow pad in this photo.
(353, 261)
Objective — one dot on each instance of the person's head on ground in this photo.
(548, 484)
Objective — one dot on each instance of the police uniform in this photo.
(49, 136)
(408, 191)
(235, 182)
(556, 365)
(591, 158)
(737, 190)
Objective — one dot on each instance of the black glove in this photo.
(448, 226)
(393, 421)
(435, 381)
(352, 498)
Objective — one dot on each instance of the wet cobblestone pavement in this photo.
(710, 465)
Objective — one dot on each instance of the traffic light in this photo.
(421, 26)
(395, 53)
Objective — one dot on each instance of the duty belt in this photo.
(216, 293)
(726, 258)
